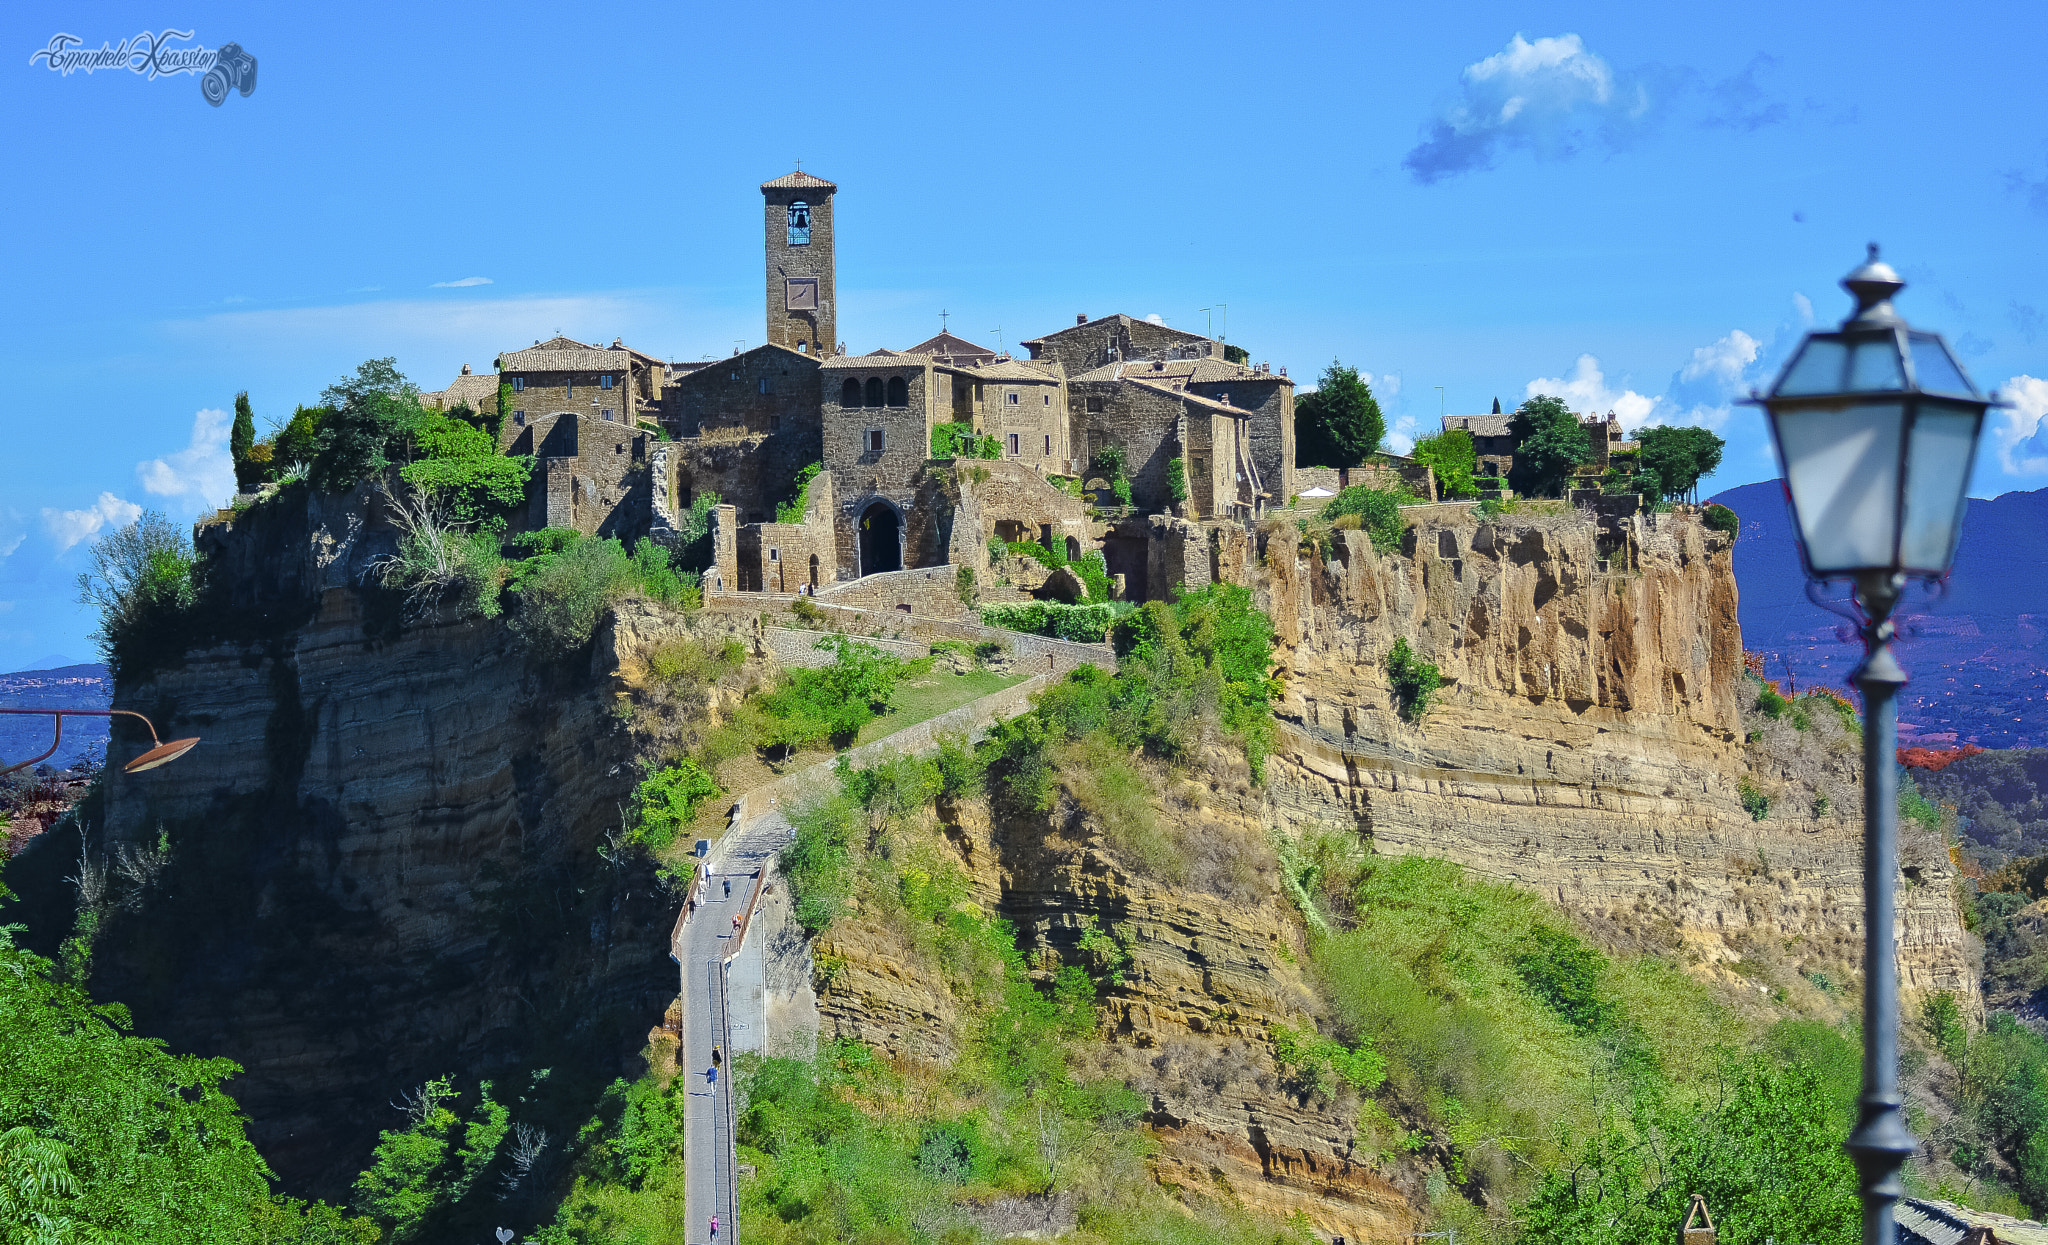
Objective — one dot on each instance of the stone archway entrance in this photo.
(881, 544)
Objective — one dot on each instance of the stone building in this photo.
(1236, 461)
(954, 351)
(801, 284)
(746, 426)
(562, 376)
(1494, 445)
(589, 473)
(1089, 344)
(477, 391)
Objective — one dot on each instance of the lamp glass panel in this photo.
(1938, 456)
(1935, 370)
(1842, 469)
(1818, 369)
(1874, 364)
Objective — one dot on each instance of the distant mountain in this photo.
(81, 686)
(49, 661)
(1978, 657)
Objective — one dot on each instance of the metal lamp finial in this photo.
(1872, 286)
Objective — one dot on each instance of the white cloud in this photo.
(203, 472)
(1585, 390)
(1701, 392)
(1804, 306)
(1401, 434)
(463, 284)
(1155, 318)
(1551, 96)
(353, 331)
(2020, 430)
(68, 527)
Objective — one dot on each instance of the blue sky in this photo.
(1639, 206)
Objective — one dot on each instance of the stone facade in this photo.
(801, 285)
(588, 474)
(563, 376)
(751, 423)
(476, 390)
(1090, 344)
(876, 450)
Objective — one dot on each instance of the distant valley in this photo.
(1977, 656)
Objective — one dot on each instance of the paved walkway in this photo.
(704, 944)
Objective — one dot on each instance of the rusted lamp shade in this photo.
(162, 754)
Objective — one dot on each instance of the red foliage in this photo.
(1936, 758)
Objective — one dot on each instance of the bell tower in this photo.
(800, 278)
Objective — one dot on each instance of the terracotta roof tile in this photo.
(798, 180)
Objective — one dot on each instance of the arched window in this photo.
(849, 393)
(799, 223)
(803, 347)
(899, 393)
(874, 391)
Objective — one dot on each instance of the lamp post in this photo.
(1876, 426)
(161, 754)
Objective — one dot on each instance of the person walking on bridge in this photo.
(714, 1227)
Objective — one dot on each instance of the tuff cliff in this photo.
(1591, 745)
(387, 859)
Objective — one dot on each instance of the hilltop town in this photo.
(1115, 434)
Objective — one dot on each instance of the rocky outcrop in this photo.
(1590, 743)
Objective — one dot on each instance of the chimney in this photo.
(465, 369)
(1080, 317)
(618, 343)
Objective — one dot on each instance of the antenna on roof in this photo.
(997, 333)
(1439, 404)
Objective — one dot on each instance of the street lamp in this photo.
(1876, 426)
(162, 754)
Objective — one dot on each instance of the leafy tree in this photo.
(371, 414)
(141, 583)
(1679, 456)
(434, 1162)
(298, 442)
(1452, 455)
(108, 1136)
(1720, 518)
(1340, 423)
(241, 439)
(667, 801)
(1549, 443)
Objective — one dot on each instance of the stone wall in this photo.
(793, 647)
(1270, 399)
(928, 593)
(1142, 421)
(589, 474)
(865, 479)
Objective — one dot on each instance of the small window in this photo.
(1095, 406)
(604, 382)
(519, 419)
(1047, 401)
(1010, 398)
(849, 393)
(774, 554)
(874, 440)
(607, 414)
(518, 384)
(803, 347)
(899, 392)
(874, 391)
(1048, 445)
(767, 384)
(1200, 467)
(1013, 444)
(799, 223)
(572, 388)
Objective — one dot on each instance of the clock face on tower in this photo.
(800, 294)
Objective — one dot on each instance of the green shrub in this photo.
(1315, 1058)
(142, 583)
(1378, 511)
(666, 802)
(1770, 703)
(1720, 518)
(1916, 807)
(1754, 802)
(963, 585)
(960, 441)
(1110, 465)
(792, 511)
(1565, 973)
(833, 702)
(1414, 682)
(471, 490)
(819, 860)
(1087, 624)
(1177, 478)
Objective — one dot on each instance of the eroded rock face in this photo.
(1590, 744)
(385, 868)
